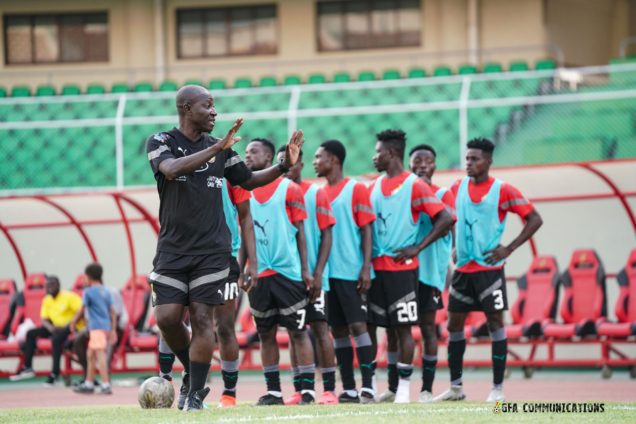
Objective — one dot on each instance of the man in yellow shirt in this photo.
(57, 312)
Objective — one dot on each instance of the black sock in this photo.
(367, 365)
(393, 377)
(272, 378)
(308, 381)
(428, 373)
(184, 358)
(297, 379)
(404, 371)
(229, 382)
(344, 356)
(328, 379)
(499, 352)
(198, 375)
(456, 351)
(166, 361)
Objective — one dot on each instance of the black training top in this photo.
(191, 206)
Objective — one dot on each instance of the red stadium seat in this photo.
(536, 304)
(79, 284)
(7, 308)
(32, 294)
(625, 305)
(135, 295)
(584, 301)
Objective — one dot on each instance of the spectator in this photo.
(58, 309)
(102, 327)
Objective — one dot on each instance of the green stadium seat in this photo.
(467, 69)
(193, 82)
(143, 87)
(45, 90)
(216, 84)
(119, 88)
(519, 66)
(492, 68)
(366, 76)
(71, 90)
(544, 64)
(341, 77)
(292, 80)
(242, 83)
(391, 74)
(95, 89)
(316, 79)
(442, 71)
(417, 73)
(3, 92)
(168, 86)
(267, 82)
(20, 91)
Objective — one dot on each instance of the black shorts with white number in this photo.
(231, 290)
(277, 300)
(393, 298)
(429, 299)
(478, 291)
(317, 311)
(346, 305)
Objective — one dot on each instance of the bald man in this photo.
(192, 260)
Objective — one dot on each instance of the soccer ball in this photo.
(156, 392)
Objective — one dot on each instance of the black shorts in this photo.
(277, 300)
(393, 298)
(317, 311)
(346, 305)
(429, 299)
(231, 289)
(478, 291)
(181, 279)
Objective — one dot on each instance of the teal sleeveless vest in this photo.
(276, 247)
(394, 227)
(478, 226)
(434, 259)
(231, 218)
(312, 235)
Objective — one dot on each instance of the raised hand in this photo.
(230, 138)
(292, 150)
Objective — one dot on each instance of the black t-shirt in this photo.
(191, 206)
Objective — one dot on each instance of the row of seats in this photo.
(269, 81)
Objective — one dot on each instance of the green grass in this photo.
(472, 412)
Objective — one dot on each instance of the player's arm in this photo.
(266, 176)
(78, 316)
(364, 280)
(533, 222)
(247, 255)
(301, 242)
(326, 240)
(175, 167)
(442, 223)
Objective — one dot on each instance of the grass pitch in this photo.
(472, 412)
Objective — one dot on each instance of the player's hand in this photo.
(317, 283)
(406, 253)
(230, 138)
(250, 277)
(308, 279)
(364, 280)
(292, 149)
(497, 254)
(454, 255)
(113, 337)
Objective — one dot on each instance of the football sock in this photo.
(392, 370)
(429, 363)
(296, 378)
(272, 379)
(499, 352)
(198, 375)
(229, 372)
(344, 356)
(308, 379)
(364, 350)
(456, 349)
(328, 379)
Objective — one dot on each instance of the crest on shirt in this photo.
(161, 137)
(214, 182)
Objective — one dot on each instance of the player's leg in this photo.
(103, 371)
(392, 359)
(307, 368)
(429, 302)
(317, 317)
(296, 397)
(80, 345)
(58, 340)
(166, 359)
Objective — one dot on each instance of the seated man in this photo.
(58, 309)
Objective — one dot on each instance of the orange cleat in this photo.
(227, 402)
(328, 398)
(294, 399)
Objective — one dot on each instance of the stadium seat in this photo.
(492, 68)
(366, 76)
(536, 303)
(292, 80)
(119, 88)
(391, 74)
(32, 295)
(20, 91)
(316, 79)
(267, 82)
(8, 293)
(135, 295)
(216, 84)
(242, 83)
(519, 66)
(71, 90)
(45, 90)
(341, 77)
(625, 309)
(584, 299)
(79, 284)
(543, 64)
(3, 92)
(467, 69)
(442, 71)
(95, 89)
(143, 87)
(168, 86)
(417, 73)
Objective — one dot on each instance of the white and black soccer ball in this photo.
(156, 392)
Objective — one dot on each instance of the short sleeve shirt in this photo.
(97, 302)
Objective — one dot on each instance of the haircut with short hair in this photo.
(268, 144)
(395, 139)
(94, 271)
(423, 147)
(336, 148)
(283, 149)
(482, 144)
(53, 279)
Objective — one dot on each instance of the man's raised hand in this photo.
(230, 138)
(292, 150)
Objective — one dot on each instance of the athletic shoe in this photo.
(307, 399)
(387, 396)
(194, 402)
(496, 395)
(425, 397)
(328, 398)
(270, 399)
(227, 401)
(367, 395)
(23, 374)
(403, 394)
(51, 380)
(183, 391)
(84, 389)
(294, 399)
(106, 390)
(454, 393)
(347, 398)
